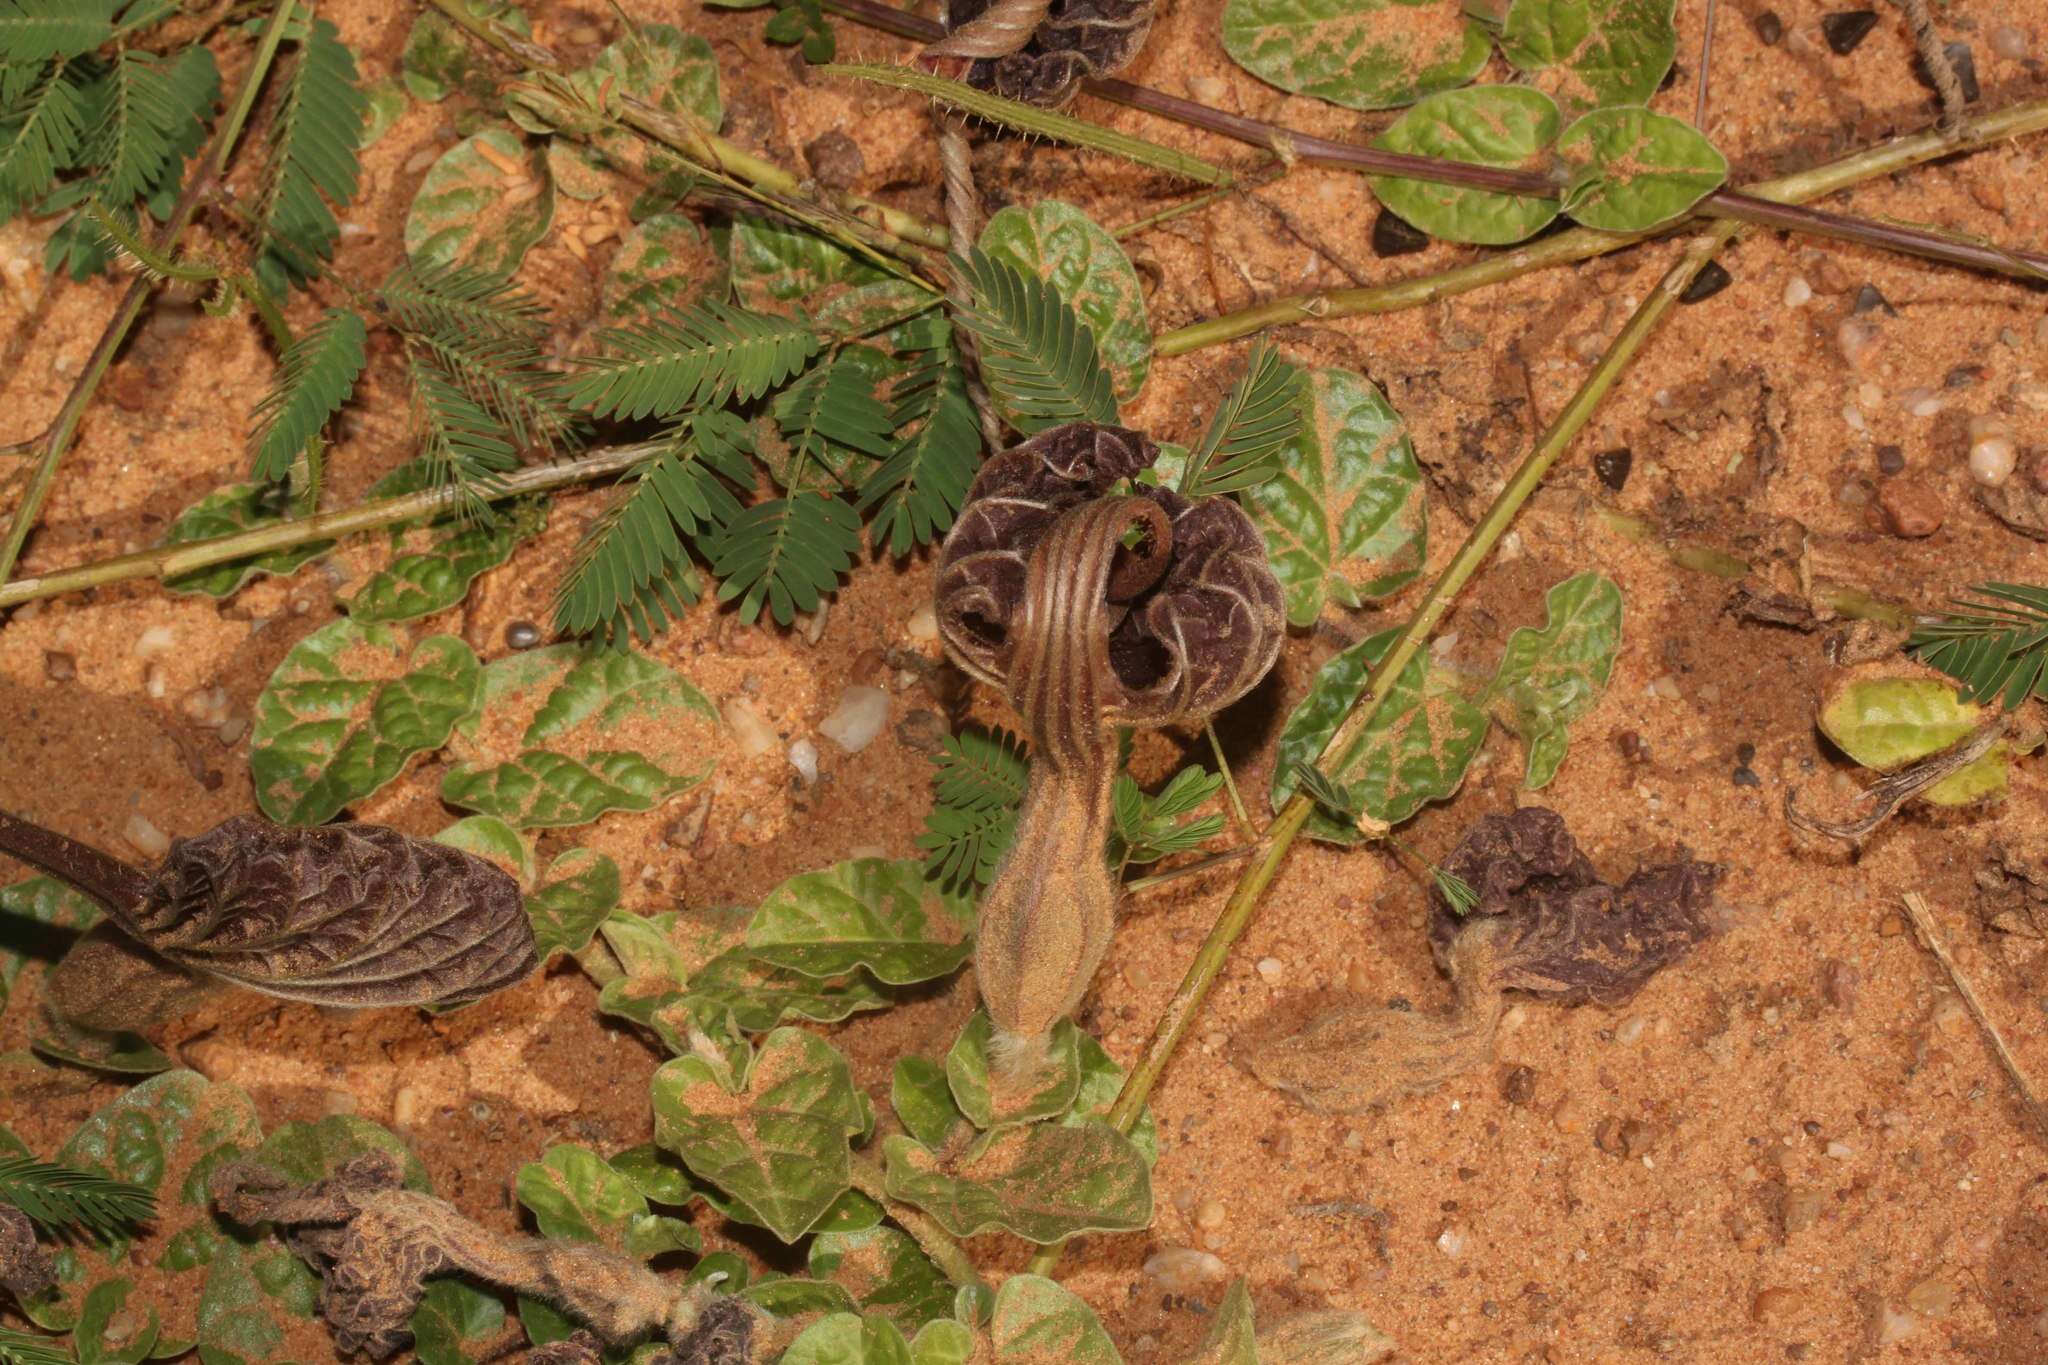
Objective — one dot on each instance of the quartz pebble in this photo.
(1993, 456)
(1894, 1325)
(923, 624)
(1209, 1215)
(154, 641)
(1452, 1240)
(1933, 1297)
(146, 837)
(803, 756)
(1271, 970)
(755, 735)
(1183, 1270)
(1797, 292)
(859, 717)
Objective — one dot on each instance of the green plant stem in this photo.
(173, 561)
(203, 180)
(1230, 925)
(946, 1254)
(1744, 205)
(1245, 828)
(1578, 244)
(694, 139)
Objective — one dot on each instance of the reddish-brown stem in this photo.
(1723, 203)
(102, 876)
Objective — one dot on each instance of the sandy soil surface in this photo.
(1829, 1162)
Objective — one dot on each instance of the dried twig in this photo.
(1893, 790)
(1934, 57)
(1930, 937)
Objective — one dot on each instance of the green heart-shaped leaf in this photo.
(1044, 1182)
(848, 1339)
(867, 913)
(1507, 126)
(923, 1100)
(1345, 521)
(1550, 677)
(1364, 54)
(451, 1316)
(779, 1142)
(437, 578)
(483, 210)
(1046, 1092)
(1231, 1340)
(494, 841)
(440, 61)
(886, 1272)
(577, 1196)
(1068, 250)
(579, 894)
(1415, 751)
(227, 511)
(1605, 51)
(663, 263)
(1634, 169)
(346, 709)
(1037, 1320)
(774, 262)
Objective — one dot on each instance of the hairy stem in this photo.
(1578, 244)
(948, 1255)
(203, 179)
(172, 561)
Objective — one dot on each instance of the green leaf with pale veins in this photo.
(1346, 520)
(576, 1195)
(778, 1143)
(663, 263)
(470, 210)
(1071, 252)
(867, 913)
(1550, 677)
(1505, 126)
(452, 1318)
(1044, 1182)
(1633, 169)
(776, 263)
(572, 761)
(887, 1272)
(1415, 751)
(439, 60)
(1047, 1092)
(1037, 1320)
(1364, 54)
(228, 511)
(923, 1101)
(434, 579)
(848, 1339)
(345, 711)
(1891, 723)
(581, 891)
(1594, 52)
(494, 841)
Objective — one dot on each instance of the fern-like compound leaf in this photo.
(704, 355)
(66, 1198)
(1037, 355)
(632, 570)
(316, 376)
(39, 136)
(313, 154)
(148, 109)
(38, 30)
(975, 795)
(1241, 448)
(1997, 648)
(27, 1348)
(916, 493)
(456, 301)
(463, 444)
(786, 553)
(832, 422)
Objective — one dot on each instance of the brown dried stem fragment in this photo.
(353, 915)
(1037, 52)
(1893, 790)
(375, 1243)
(1038, 593)
(1543, 923)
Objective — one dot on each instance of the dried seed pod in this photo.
(1039, 593)
(375, 1243)
(1077, 39)
(338, 914)
(1543, 923)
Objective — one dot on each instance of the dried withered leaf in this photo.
(109, 983)
(2019, 505)
(1564, 934)
(1198, 616)
(25, 1268)
(337, 914)
(374, 1243)
(1076, 40)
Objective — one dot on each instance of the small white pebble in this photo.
(923, 625)
(1993, 455)
(2033, 392)
(1797, 292)
(803, 756)
(1272, 970)
(755, 735)
(1854, 339)
(1209, 1215)
(1630, 1030)
(1451, 1241)
(146, 837)
(154, 641)
(859, 717)
(1840, 1151)
(406, 1106)
(1852, 417)
(1920, 402)
(1894, 1325)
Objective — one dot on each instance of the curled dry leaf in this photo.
(375, 1243)
(355, 915)
(1044, 590)
(1077, 39)
(1543, 923)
